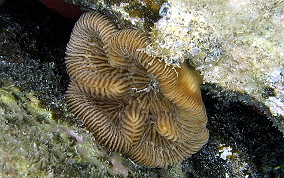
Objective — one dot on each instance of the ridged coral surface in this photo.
(133, 103)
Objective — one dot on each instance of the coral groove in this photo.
(133, 103)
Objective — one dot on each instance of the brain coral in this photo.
(133, 103)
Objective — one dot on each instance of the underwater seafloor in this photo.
(40, 138)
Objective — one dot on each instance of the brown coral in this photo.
(133, 103)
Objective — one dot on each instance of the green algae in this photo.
(34, 144)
